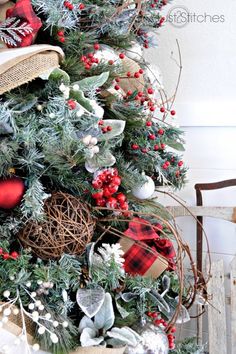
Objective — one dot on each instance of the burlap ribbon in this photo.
(21, 65)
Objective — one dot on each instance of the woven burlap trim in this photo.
(28, 70)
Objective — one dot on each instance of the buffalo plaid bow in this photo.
(139, 259)
(24, 11)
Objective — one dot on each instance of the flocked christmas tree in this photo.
(86, 256)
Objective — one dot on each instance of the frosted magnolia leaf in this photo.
(117, 126)
(90, 300)
(101, 160)
(93, 82)
(105, 317)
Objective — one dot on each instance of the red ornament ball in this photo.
(11, 192)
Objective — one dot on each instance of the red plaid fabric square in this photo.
(24, 11)
(139, 259)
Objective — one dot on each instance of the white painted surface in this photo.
(206, 109)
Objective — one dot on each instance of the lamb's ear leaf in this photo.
(60, 76)
(125, 335)
(104, 319)
(117, 126)
(88, 338)
(93, 82)
(86, 322)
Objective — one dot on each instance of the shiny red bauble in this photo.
(11, 192)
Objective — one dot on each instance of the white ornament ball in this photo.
(65, 324)
(6, 293)
(48, 316)
(41, 330)
(146, 190)
(15, 311)
(31, 306)
(35, 347)
(7, 312)
(54, 338)
(154, 341)
(107, 53)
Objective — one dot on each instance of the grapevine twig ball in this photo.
(68, 228)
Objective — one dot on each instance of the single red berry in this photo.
(134, 147)
(121, 197)
(148, 123)
(136, 75)
(97, 184)
(6, 256)
(70, 7)
(106, 192)
(164, 166)
(128, 74)
(167, 163)
(163, 146)
(149, 314)
(141, 71)
(14, 255)
(152, 108)
(165, 324)
(71, 104)
(124, 205)
(60, 33)
(140, 94)
(144, 150)
(129, 93)
(87, 67)
(66, 3)
(172, 113)
(110, 62)
(97, 195)
(96, 46)
(150, 91)
(62, 39)
(81, 6)
(173, 329)
(113, 188)
(177, 174)
(100, 122)
(121, 56)
(146, 46)
(109, 128)
(117, 87)
(151, 136)
(111, 202)
(154, 315)
(156, 147)
(180, 163)
(90, 55)
(104, 130)
(101, 202)
(117, 79)
(137, 98)
(162, 109)
(152, 5)
(116, 180)
(83, 58)
(161, 132)
(157, 322)
(162, 19)
(172, 346)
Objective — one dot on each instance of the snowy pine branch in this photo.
(12, 30)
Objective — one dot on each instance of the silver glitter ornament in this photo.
(154, 341)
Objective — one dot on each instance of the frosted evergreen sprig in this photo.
(12, 30)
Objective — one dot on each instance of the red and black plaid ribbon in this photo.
(24, 11)
(138, 259)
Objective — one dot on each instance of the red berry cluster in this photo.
(89, 60)
(61, 36)
(107, 183)
(68, 5)
(143, 36)
(105, 129)
(5, 255)
(158, 321)
(71, 104)
(141, 97)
